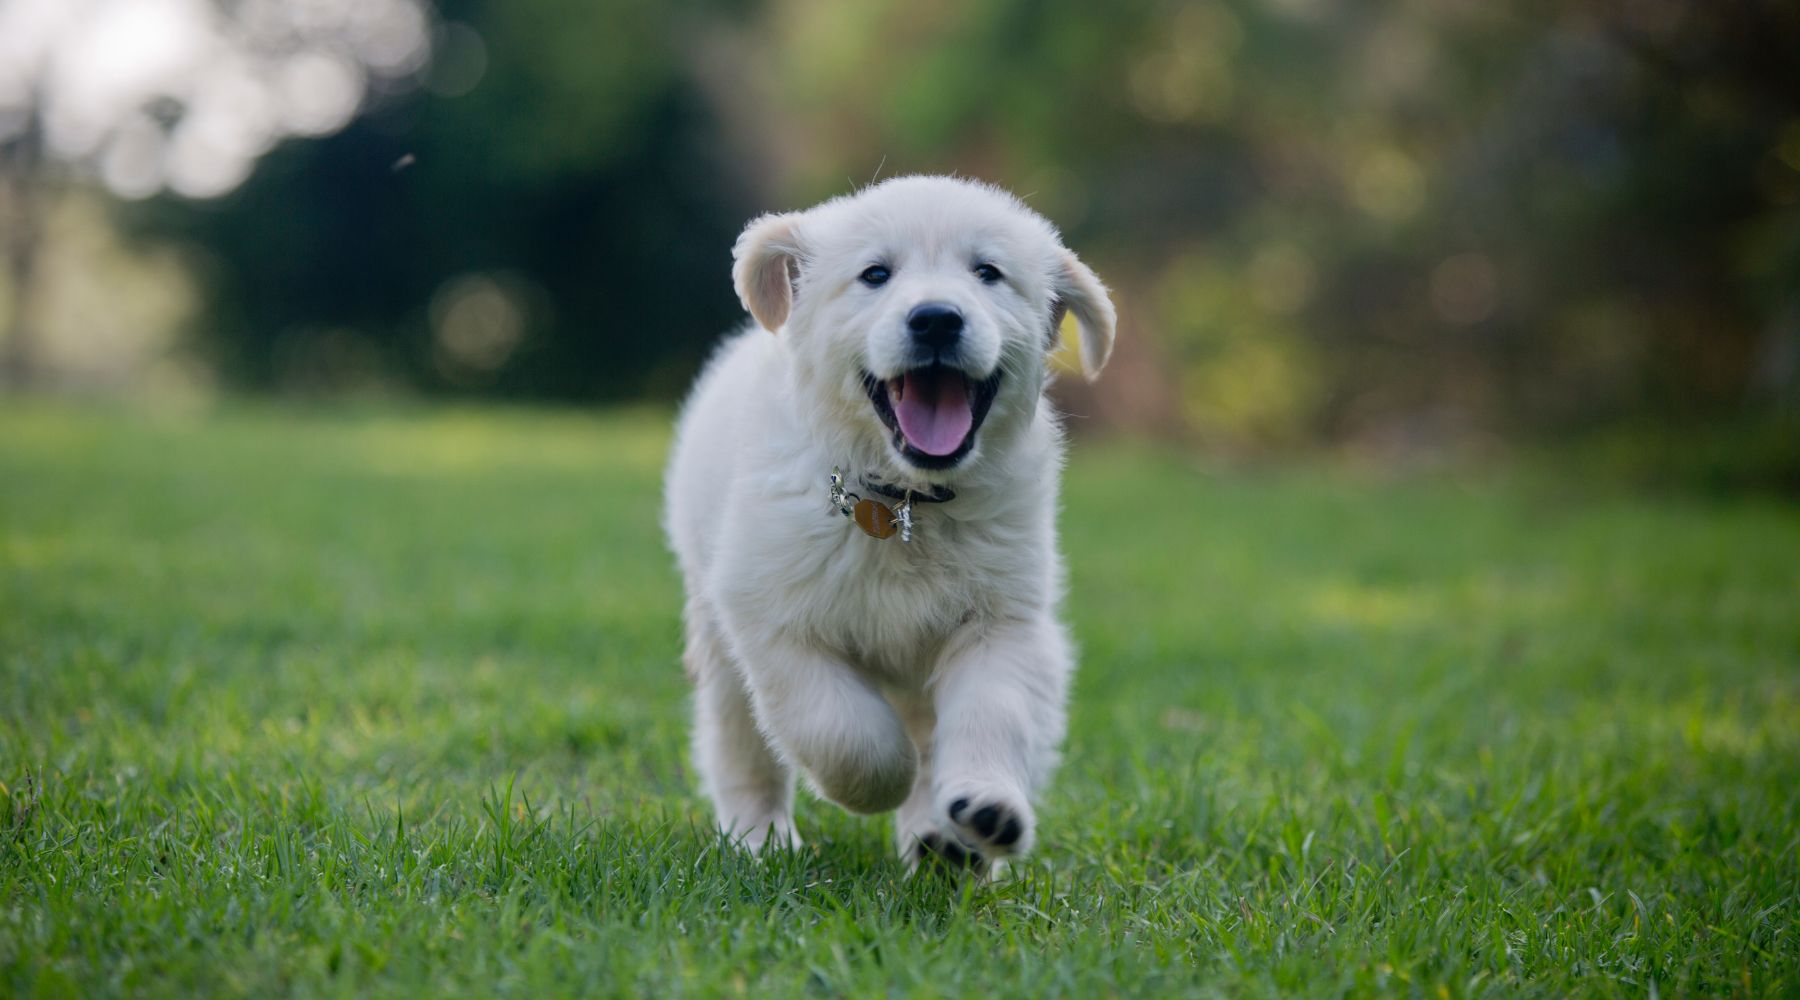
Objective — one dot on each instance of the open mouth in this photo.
(933, 412)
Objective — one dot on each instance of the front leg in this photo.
(918, 831)
(824, 718)
(999, 691)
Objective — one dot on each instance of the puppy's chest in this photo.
(891, 604)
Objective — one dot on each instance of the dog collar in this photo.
(938, 494)
(876, 519)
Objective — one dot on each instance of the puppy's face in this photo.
(921, 311)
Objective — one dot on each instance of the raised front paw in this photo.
(996, 824)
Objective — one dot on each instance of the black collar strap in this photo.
(938, 494)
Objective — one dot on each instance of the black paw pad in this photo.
(926, 846)
(947, 851)
(1009, 834)
(987, 819)
(995, 824)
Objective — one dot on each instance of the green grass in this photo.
(389, 704)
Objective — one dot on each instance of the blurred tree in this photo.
(179, 95)
(1393, 223)
(21, 203)
(551, 214)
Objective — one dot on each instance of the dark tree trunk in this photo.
(21, 229)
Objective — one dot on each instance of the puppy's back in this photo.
(709, 436)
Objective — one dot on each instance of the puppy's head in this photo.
(920, 311)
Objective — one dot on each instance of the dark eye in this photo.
(988, 273)
(875, 275)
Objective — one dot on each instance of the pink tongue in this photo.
(934, 410)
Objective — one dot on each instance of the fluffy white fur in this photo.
(927, 676)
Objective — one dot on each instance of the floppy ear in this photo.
(1078, 290)
(767, 260)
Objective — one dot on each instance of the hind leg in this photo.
(752, 790)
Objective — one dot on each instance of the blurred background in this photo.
(1397, 231)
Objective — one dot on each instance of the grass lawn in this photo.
(389, 703)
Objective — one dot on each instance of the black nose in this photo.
(935, 324)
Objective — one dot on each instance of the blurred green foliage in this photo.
(1402, 218)
(1398, 225)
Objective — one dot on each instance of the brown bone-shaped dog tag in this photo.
(875, 518)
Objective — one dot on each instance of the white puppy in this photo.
(926, 670)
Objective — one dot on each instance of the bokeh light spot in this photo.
(477, 321)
